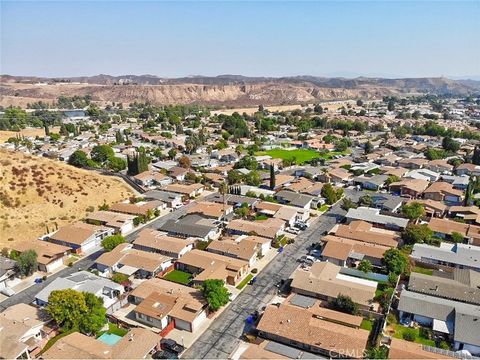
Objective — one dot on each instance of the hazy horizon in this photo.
(270, 39)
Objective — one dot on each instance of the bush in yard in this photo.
(365, 266)
(121, 279)
(254, 270)
(216, 293)
(395, 261)
(111, 242)
(409, 334)
(457, 237)
(444, 345)
(26, 263)
(377, 353)
(425, 333)
(417, 234)
(344, 303)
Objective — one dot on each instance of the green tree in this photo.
(117, 164)
(377, 353)
(457, 237)
(391, 105)
(215, 293)
(111, 242)
(344, 303)
(347, 204)
(101, 153)
(272, 177)
(365, 266)
(366, 200)
(78, 159)
(476, 155)
(119, 137)
(413, 211)
(172, 153)
(26, 262)
(450, 145)
(414, 234)
(368, 147)
(185, 162)
(395, 261)
(67, 307)
(253, 178)
(392, 179)
(329, 193)
(95, 317)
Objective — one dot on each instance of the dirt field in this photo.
(5, 135)
(36, 193)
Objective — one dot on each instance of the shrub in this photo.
(409, 334)
(254, 270)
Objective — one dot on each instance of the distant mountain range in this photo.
(223, 89)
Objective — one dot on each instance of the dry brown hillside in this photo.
(36, 193)
(229, 91)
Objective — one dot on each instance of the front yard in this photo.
(179, 277)
(244, 282)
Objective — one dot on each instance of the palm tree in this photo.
(223, 189)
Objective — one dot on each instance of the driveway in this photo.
(223, 336)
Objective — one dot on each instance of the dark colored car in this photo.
(171, 345)
(165, 354)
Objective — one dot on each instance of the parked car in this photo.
(165, 354)
(316, 253)
(301, 226)
(171, 345)
(293, 231)
(307, 258)
(38, 280)
(252, 281)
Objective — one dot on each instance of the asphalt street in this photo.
(223, 335)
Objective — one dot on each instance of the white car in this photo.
(292, 231)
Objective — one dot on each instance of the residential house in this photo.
(432, 208)
(270, 228)
(50, 257)
(412, 188)
(80, 237)
(440, 166)
(403, 349)
(192, 226)
(411, 163)
(173, 200)
(443, 191)
(423, 174)
(325, 281)
(138, 343)
(106, 289)
(210, 209)
(448, 255)
(151, 178)
(365, 232)
(125, 260)
(24, 331)
(373, 216)
(375, 182)
(157, 242)
(121, 223)
(142, 208)
(303, 329)
(468, 169)
(188, 312)
(337, 176)
(349, 253)
(189, 191)
(293, 199)
(245, 250)
(207, 265)
(7, 271)
(470, 214)
(264, 244)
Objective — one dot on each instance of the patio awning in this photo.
(127, 270)
(442, 326)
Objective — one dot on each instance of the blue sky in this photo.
(171, 39)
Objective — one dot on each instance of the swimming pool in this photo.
(109, 339)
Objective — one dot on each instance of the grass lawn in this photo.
(244, 282)
(323, 208)
(399, 329)
(421, 270)
(366, 325)
(179, 277)
(261, 217)
(113, 329)
(301, 155)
